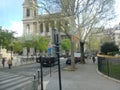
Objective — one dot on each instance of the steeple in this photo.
(35, 1)
(30, 9)
(30, 1)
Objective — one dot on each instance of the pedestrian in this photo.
(3, 62)
(93, 58)
(9, 63)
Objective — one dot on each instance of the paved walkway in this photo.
(84, 78)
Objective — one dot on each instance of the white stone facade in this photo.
(35, 24)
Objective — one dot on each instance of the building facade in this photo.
(35, 24)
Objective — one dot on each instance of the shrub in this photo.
(109, 48)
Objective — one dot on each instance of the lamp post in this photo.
(57, 49)
(41, 71)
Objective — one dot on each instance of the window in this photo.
(118, 36)
(47, 27)
(41, 28)
(28, 28)
(34, 12)
(28, 12)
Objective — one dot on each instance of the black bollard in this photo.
(41, 69)
(58, 58)
(34, 77)
(38, 75)
(50, 67)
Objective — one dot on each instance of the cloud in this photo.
(117, 7)
(17, 27)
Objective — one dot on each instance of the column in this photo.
(24, 29)
(44, 31)
(50, 30)
(31, 28)
(34, 28)
(38, 28)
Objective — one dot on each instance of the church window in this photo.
(47, 27)
(41, 28)
(34, 12)
(28, 12)
(28, 28)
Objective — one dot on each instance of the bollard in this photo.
(50, 67)
(41, 69)
(34, 77)
(38, 75)
(34, 83)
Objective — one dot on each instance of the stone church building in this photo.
(35, 24)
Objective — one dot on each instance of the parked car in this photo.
(46, 61)
(76, 58)
(68, 61)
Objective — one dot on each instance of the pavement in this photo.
(85, 77)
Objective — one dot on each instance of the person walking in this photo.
(3, 62)
(93, 58)
(9, 63)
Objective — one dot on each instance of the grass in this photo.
(112, 71)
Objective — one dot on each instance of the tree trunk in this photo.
(72, 55)
(82, 52)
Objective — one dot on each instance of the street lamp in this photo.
(57, 50)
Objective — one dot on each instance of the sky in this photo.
(11, 13)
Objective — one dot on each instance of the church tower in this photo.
(30, 13)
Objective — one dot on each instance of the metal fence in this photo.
(109, 65)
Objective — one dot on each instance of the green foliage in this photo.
(109, 47)
(66, 45)
(28, 44)
(17, 46)
(6, 38)
(93, 43)
(40, 43)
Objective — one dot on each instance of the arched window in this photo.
(28, 12)
(28, 28)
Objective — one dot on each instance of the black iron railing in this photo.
(109, 65)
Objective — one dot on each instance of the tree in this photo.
(81, 16)
(6, 37)
(109, 47)
(93, 44)
(40, 43)
(94, 12)
(17, 47)
(65, 44)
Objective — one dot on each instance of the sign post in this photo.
(57, 50)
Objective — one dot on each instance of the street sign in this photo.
(49, 50)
